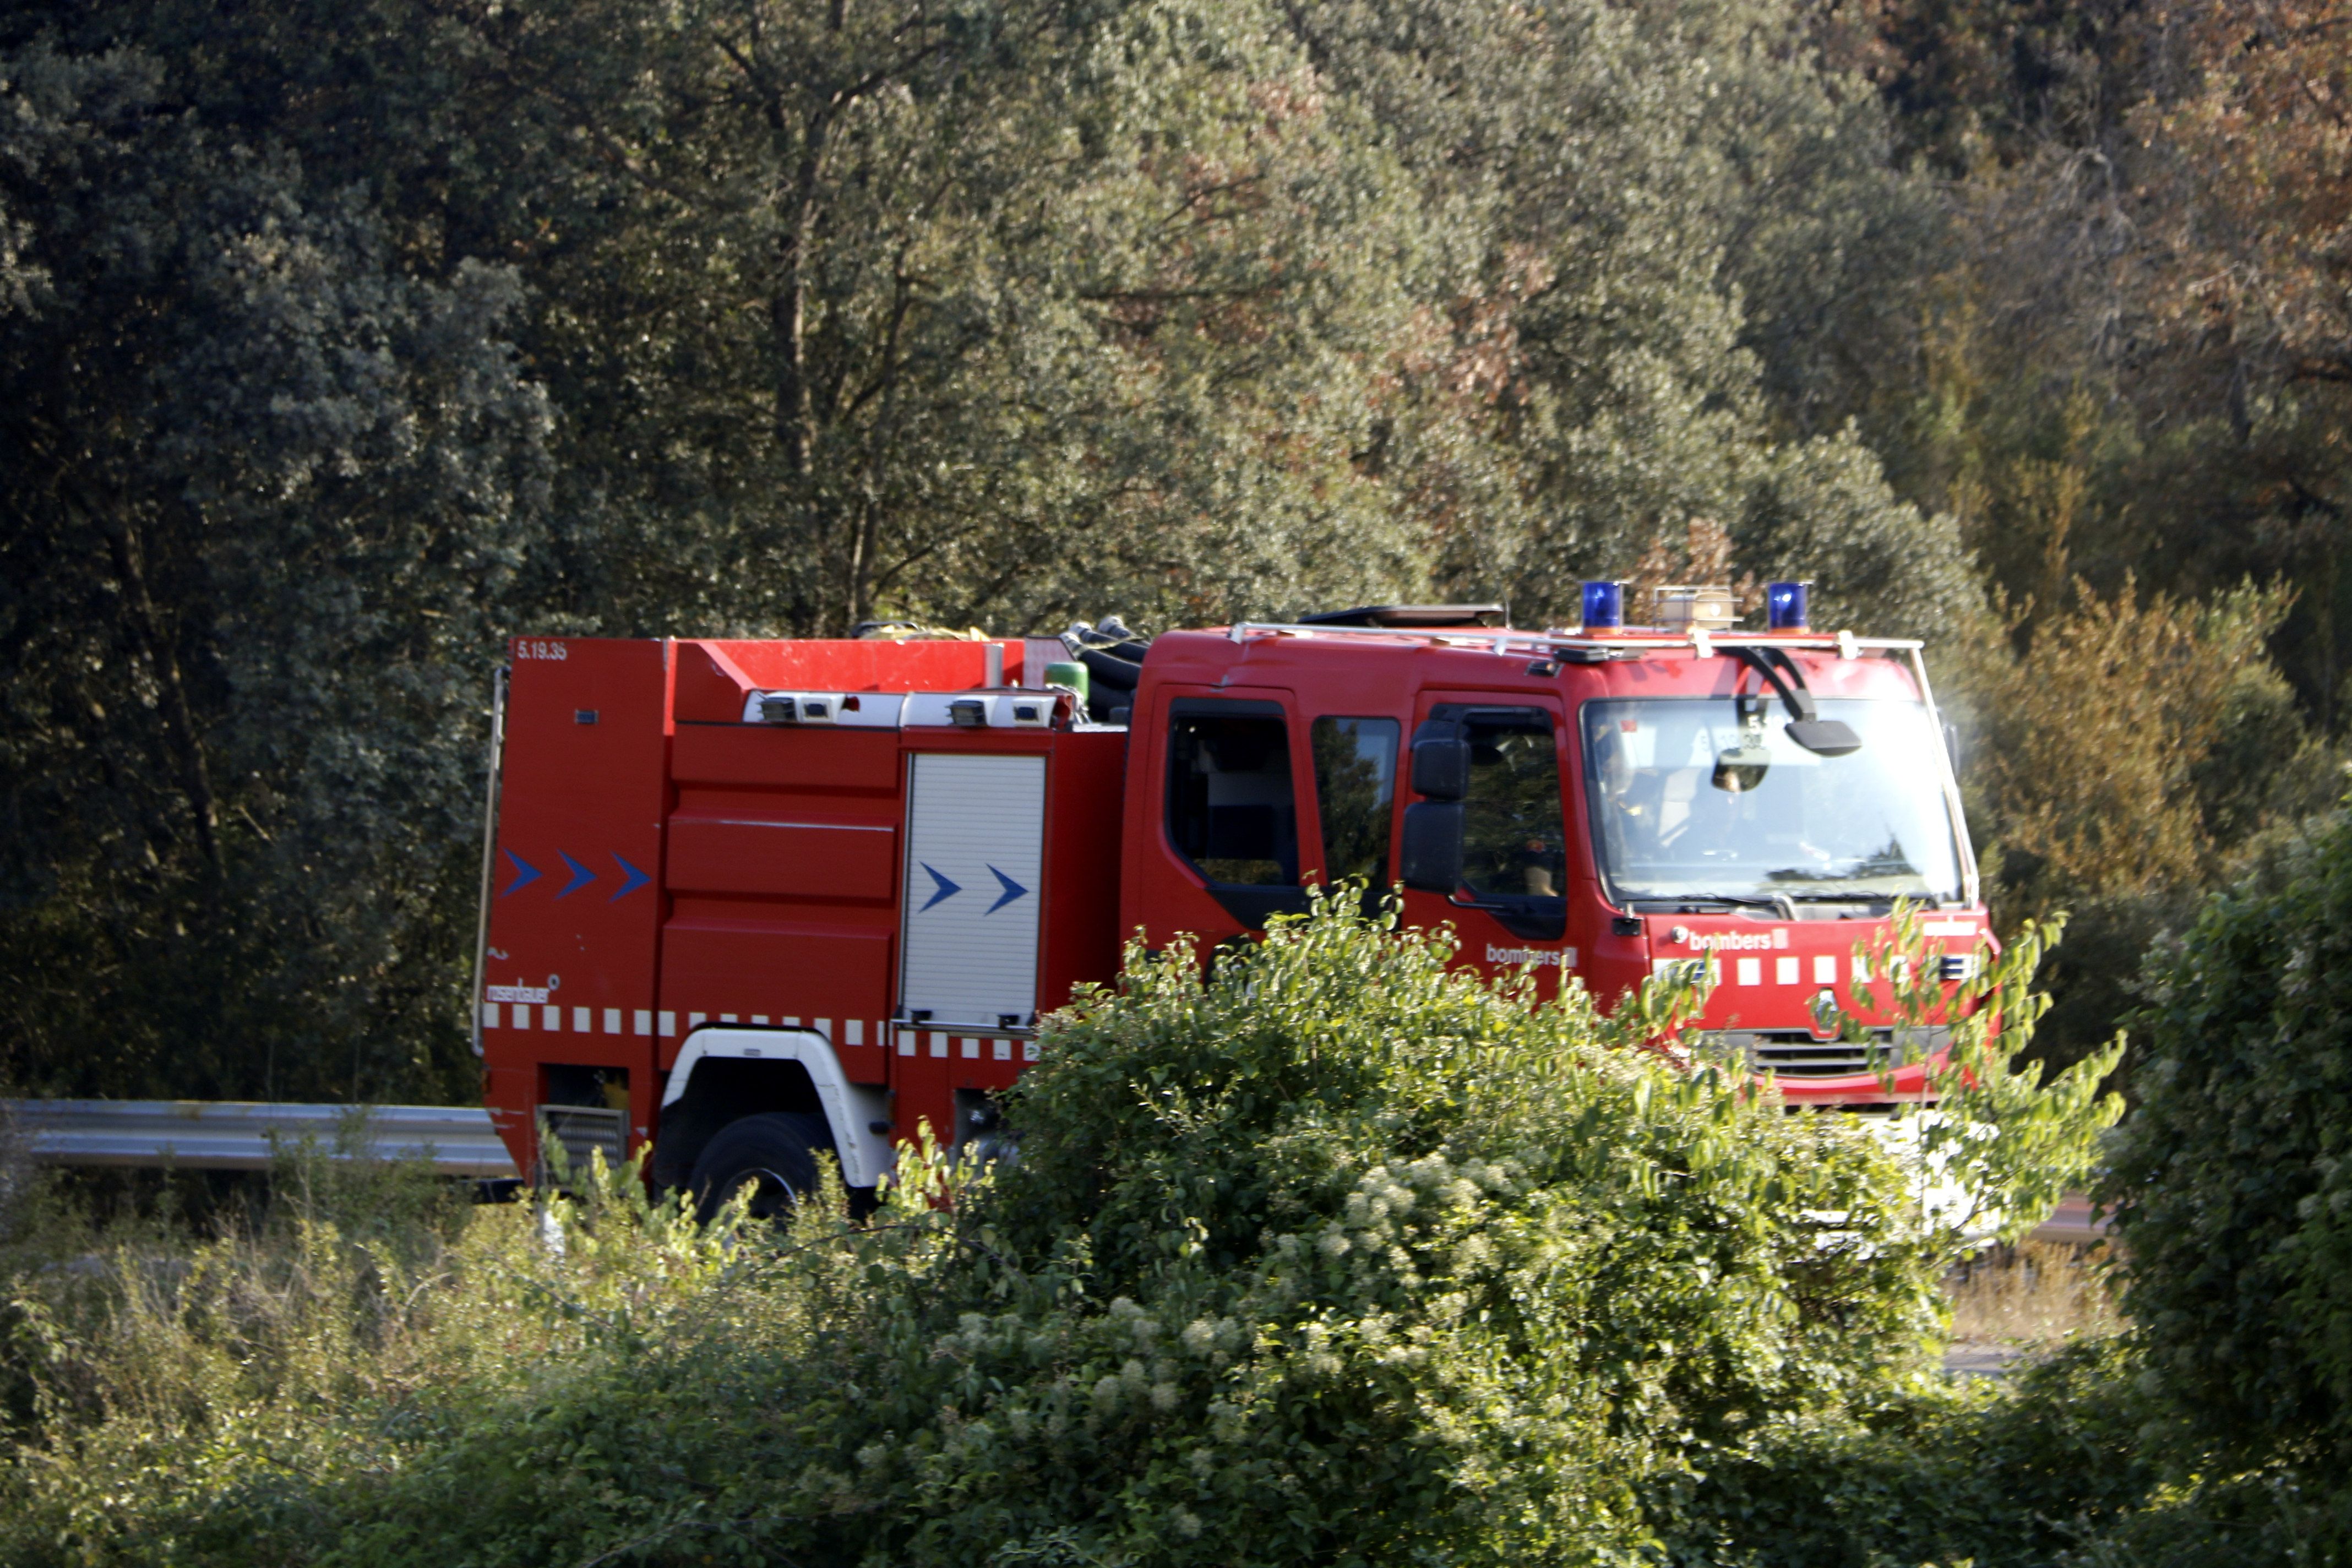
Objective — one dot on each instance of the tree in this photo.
(1622, 181)
(262, 494)
(2250, 199)
(954, 314)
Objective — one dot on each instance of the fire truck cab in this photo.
(750, 902)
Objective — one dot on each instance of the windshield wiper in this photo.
(1875, 901)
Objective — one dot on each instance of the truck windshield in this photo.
(1873, 823)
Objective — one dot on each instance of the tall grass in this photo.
(2037, 1294)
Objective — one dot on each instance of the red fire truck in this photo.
(746, 902)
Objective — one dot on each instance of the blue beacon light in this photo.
(1604, 606)
(1785, 609)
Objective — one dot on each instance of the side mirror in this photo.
(1441, 761)
(1430, 858)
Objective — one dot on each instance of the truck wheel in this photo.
(774, 1154)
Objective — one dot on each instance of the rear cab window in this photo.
(1231, 809)
(1355, 791)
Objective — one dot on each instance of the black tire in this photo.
(775, 1153)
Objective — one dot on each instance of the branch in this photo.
(1195, 198)
(1162, 296)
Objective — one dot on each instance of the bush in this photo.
(1998, 1477)
(2230, 1187)
(1333, 1254)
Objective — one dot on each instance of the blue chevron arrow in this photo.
(945, 889)
(581, 876)
(636, 880)
(1013, 890)
(527, 873)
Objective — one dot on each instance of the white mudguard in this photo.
(851, 1109)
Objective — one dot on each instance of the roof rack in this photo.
(1412, 616)
(1505, 641)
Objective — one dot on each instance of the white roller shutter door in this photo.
(975, 837)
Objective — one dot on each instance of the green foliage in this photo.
(263, 490)
(2215, 1429)
(2006, 1137)
(1333, 1254)
(2127, 754)
(2226, 1185)
(2005, 1477)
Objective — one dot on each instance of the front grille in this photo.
(1794, 1053)
(1801, 1055)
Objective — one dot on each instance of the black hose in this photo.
(1109, 668)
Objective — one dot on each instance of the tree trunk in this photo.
(788, 310)
(172, 705)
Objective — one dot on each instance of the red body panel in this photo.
(575, 919)
(773, 866)
(664, 864)
(784, 859)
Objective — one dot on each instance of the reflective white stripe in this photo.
(1005, 1050)
(759, 1019)
(971, 1046)
(938, 1045)
(1825, 969)
(579, 1021)
(1861, 971)
(551, 1017)
(1784, 971)
(1028, 1050)
(694, 1021)
(612, 1020)
(1751, 971)
(906, 1042)
(824, 1027)
(489, 1014)
(856, 1031)
(668, 1023)
(645, 1021)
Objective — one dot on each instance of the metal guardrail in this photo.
(250, 1135)
(457, 1139)
(2074, 1220)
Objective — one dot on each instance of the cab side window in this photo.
(1514, 837)
(1355, 783)
(1232, 812)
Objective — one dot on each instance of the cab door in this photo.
(1486, 776)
